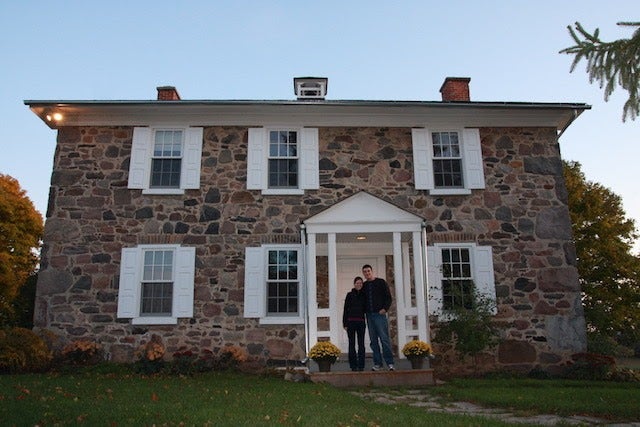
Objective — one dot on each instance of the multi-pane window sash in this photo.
(157, 283)
(283, 159)
(447, 160)
(166, 163)
(457, 279)
(282, 282)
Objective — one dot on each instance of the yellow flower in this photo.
(416, 348)
(324, 350)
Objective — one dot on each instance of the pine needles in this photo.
(610, 63)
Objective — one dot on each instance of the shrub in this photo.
(231, 357)
(183, 363)
(624, 375)
(590, 366)
(150, 357)
(21, 350)
(82, 352)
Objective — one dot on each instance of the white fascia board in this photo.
(360, 227)
(319, 115)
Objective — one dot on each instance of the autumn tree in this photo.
(609, 271)
(21, 229)
(611, 64)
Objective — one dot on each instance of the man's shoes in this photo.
(392, 368)
(376, 368)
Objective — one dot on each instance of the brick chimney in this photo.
(168, 93)
(455, 89)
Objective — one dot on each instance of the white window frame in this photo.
(258, 160)
(255, 286)
(472, 164)
(142, 155)
(482, 273)
(130, 287)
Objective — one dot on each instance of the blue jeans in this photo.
(379, 331)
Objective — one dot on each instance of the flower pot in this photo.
(324, 365)
(416, 362)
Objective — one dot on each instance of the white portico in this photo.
(364, 229)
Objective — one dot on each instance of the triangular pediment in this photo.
(363, 211)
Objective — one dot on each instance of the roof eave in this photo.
(316, 113)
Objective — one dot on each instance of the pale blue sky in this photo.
(403, 50)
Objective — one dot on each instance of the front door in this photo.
(348, 269)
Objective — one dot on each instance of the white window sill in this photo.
(449, 191)
(154, 320)
(288, 191)
(166, 191)
(281, 320)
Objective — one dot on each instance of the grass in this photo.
(114, 396)
(604, 399)
(123, 399)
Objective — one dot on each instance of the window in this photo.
(457, 280)
(156, 284)
(165, 160)
(447, 161)
(282, 160)
(282, 281)
(453, 270)
(273, 275)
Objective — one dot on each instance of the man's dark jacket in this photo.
(377, 295)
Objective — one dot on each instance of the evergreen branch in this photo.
(610, 64)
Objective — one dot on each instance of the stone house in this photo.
(218, 222)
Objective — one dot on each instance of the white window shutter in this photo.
(254, 283)
(183, 282)
(472, 157)
(129, 289)
(257, 159)
(434, 281)
(483, 272)
(422, 159)
(191, 158)
(309, 165)
(140, 162)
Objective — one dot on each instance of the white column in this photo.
(399, 285)
(425, 275)
(406, 271)
(419, 271)
(312, 307)
(335, 316)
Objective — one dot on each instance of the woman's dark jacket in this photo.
(354, 306)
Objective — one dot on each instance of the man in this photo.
(378, 301)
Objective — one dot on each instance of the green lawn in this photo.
(209, 399)
(605, 399)
(119, 398)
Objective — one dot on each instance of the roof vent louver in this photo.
(312, 88)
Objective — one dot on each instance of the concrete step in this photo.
(342, 364)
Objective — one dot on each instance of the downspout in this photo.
(305, 298)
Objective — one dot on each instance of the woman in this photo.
(353, 321)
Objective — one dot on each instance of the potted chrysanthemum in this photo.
(324, 353)
(416, 351)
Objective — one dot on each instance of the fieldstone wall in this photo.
(92, 215)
